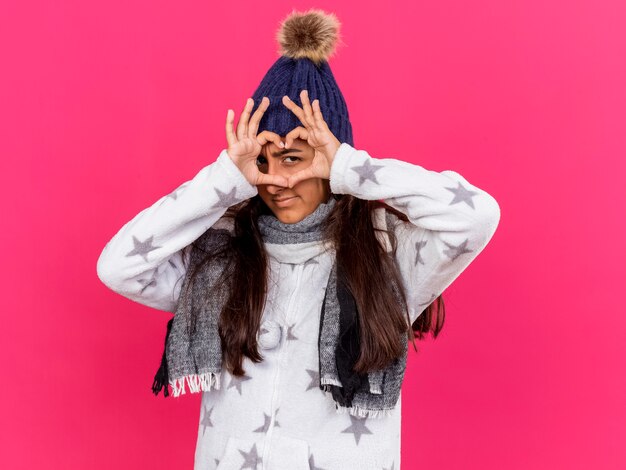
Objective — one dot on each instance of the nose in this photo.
(273, 166)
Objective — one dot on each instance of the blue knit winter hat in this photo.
(307, 40)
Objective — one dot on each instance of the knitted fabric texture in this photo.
(194, 357)
(289, 77)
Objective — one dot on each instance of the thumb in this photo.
(277, 180)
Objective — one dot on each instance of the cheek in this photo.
(310, 190)
(263, 193)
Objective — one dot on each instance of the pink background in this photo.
(106, 106)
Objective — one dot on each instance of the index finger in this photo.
(297, 110)
(269, 136)
(306, 105)
(293, 134)
(256, 117)
(230, 133)
(242, 125)
(317, 113)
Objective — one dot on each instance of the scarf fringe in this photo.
(204, 382)
(356, 410)
(325, 383)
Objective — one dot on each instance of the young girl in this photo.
(298, 269)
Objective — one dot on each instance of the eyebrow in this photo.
(284, 151)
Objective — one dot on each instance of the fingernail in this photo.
(282, 144)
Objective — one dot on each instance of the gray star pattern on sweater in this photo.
(206, 419)
(428, 302)
(236, 382)
(418, 247)
(367, 171)
(148, 282)
(393, 466)
(251, 458)
(142, 248)
(310, 261)
(403, 205)
(462, 194)
(226, 199)
(315, 379)
(312, 465)
(306, 263)
(266, 424)
(454, 251)
(357, 428)
(174, 194)
(290, 335)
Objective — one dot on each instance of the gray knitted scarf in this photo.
(195, 357)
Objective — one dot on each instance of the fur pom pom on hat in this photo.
(312, 34)
(307, 40)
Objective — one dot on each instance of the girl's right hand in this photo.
(244, 148)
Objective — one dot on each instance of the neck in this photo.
(307, 230)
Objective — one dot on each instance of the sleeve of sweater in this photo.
(146, 260)
(451, 220)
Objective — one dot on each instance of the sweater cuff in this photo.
(339, 169)
(244, 189)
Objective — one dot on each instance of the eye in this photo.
(260, 160)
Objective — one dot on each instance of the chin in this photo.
(289, 217)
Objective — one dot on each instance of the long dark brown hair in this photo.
(364, 261)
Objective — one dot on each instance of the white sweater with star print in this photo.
(276, 417)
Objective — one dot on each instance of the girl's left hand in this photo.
(317, 134)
